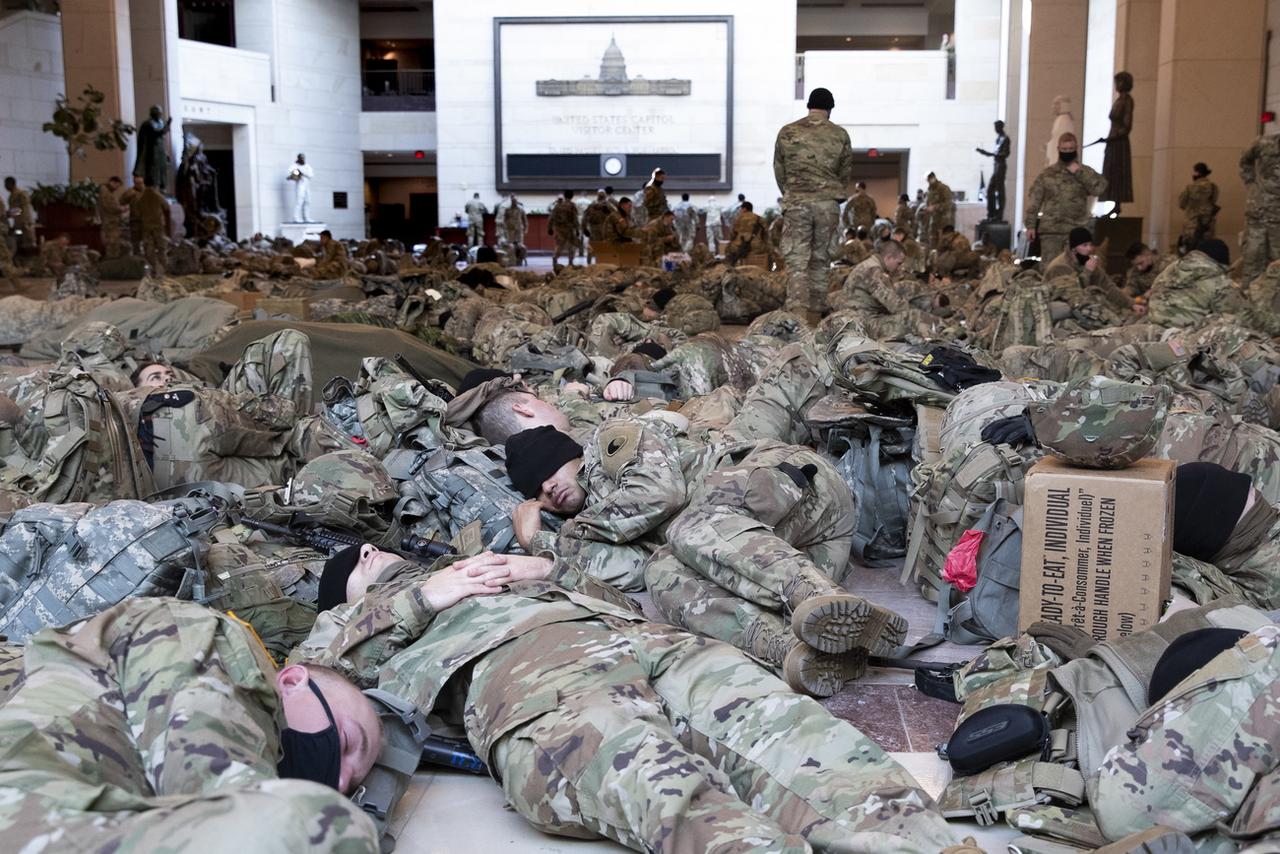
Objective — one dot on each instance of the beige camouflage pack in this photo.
(1101, 423)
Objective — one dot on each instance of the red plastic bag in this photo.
(961, 566)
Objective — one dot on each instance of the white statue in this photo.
(301, 174)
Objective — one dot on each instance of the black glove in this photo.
(1014, 430)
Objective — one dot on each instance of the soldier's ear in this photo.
(291, 679)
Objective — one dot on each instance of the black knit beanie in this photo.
(1208, 501)
(534, 455)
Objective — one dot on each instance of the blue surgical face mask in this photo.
(314, 756)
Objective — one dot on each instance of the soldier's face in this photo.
(561, 493)
(359, 732)
(368, 569)
(156, 376)
(892, 263)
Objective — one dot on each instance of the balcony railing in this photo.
(402, 90)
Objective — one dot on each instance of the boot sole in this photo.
(840, 622)
(820, 674)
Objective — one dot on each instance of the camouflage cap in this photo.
(97, 337)
(352, 473)
(1101, 423)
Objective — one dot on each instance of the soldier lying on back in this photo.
(598, 723)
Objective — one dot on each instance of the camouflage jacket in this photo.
(868, 291)
(475, 210)
(616, 229)
(393, 639)
(1199, 200)
(1059, 199)
(905, 218)
(1195, 289)
(942, 204)
(515, 220)
(813, 160)
(1095, 283)
(1260, 171)
(563, 221)
(632, 495)
(749, 228)
(654, 201)
(859, 212)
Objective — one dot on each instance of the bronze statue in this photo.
(995, 187)
(1117, 165)
(197, 189)
(152, 164)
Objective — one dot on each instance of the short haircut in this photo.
(625, 200)
(684, 197)
(747, 206)
(497, 421)
(931, 175)
(861, 185)
(568, 194)
(742, 197)
(609, 190)
(137, 372)
(1068, 137)
(892, 248)
(326, 233)
(1135, 249)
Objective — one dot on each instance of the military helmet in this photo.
(354, 474)
(96, 337)
(1101, 423)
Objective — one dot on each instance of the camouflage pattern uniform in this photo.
(868, 292)
(155, 726)
(1203, 758)
(25, 218)
(686, 224)
(749, 237)
(616, 229)
(516, 223)
(598, 724)
(475, 211)
(334, 263)
(813, 164)
(129, 199)
(859, 211)
(1195, 290)
(1260, 171)
(1095, 283)
(905, 218)
(111, 214)
(654, 201)
(563, 224)
(955, 253)
(1058, 202)
(941, 204)
(1199, 203)
(157, 224)
(659, 238)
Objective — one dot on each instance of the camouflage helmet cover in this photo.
(1102, 423)
(353, 473)
(97, 337)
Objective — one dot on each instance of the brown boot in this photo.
(832, 620)
(821, 674)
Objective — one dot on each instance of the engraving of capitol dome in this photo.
(613, 81)
(613, 67)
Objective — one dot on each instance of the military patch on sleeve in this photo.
(619, 445)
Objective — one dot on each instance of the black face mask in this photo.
(314, 756)
(1067, 156)
(1081, 259)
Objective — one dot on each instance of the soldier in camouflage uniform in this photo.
(593, 221)
(1260, 171)
(955, 255)
(1195, 289)
(617, 226)
(516, 223)
(21, 212)
(686, 222)
(868, 291)
(1144, 266)
(940, 205)
(905, 216)
(659, 238)
(1059, 199)
(476, 212)
(813, 164)
(1079, 263)
(334, 262)
(654, 199)
(758, 534)
(600, 724)
(563, 225)
(860, 210)
(111, 212)
(1199, 203)
(162, 725)
(749, 236)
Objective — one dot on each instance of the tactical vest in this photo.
(444, 491)
(62, 562)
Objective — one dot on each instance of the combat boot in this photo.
(805, 669)
(832, 620)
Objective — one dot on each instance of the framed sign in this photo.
(633, 94)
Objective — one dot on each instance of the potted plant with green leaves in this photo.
(71, 208)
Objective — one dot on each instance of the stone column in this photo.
(97, 51)
(1055, 66)
(154, 26)
(1210, 73)
(1137, 51)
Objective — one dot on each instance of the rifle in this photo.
(436, 387)
(452, 753)
(579, 307)
(304, 531)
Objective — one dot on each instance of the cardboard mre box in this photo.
(1096, 546)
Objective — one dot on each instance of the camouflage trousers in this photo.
(567, 244)
(10, 670)
(475, 233)
(155, 249)
(807, 229)
(1260, 246)
(747, 533)
(1051, 245)
(664, 741)
(152, 727)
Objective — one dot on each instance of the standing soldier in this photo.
(475, 210)
(20, 212)
(111, 215)
(593, 222)
(129, 199)
(516, 223)
(686, 222)
(941, 205)
(905, 216)
(563, 225)
(713, 216)
(655, 198)
(1260, 171)
(1059, 199)
(860, 212)
(1199, 203)
(813, 164)
(157, 225)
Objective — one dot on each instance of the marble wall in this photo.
(30, 79)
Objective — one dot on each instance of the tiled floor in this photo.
(448, 812)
